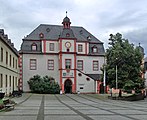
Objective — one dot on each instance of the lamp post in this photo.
(104, 77)
(116, 75)
(116, 79)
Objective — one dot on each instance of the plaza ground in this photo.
(74, 107)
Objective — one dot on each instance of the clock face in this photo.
(68, 44)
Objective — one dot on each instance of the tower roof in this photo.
(66, 19)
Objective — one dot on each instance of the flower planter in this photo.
(134, 97)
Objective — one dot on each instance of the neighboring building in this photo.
(70, 54)
(145, 68)
(9, 70)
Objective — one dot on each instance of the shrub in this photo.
(43, 85)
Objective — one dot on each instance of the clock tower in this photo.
(67, 58)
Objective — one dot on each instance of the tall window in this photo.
(1, 54)
(95, 65)
(34, 47)
(10, 60)
(16, 64)
(80, 64)
(10, 81)
(50, 64)
(6, 84)
(51, 47)
(6, 57)
(13, 82)
(16, 82)
(13, 62)
(1, 80)
(94, 50)
(33, 64)
(68, 63)
(80, 48)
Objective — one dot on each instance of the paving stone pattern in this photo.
(74, 107)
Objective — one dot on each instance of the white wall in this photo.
(88, 64)
(6, 69)
(64, 49)
(84, 47)
(42, 64)
(88, 86)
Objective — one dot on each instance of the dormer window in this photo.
(34, 47)
(41, 35)
(89, 38)
(67, 35)
(94, 49)
(81, 32)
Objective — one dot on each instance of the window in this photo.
(13, 82)
(1, 80)
(6, 81)
(67, 35)
(6, 57)
(50, 64)
(1, 54)
(51, 47)
(16, 64)
(16, 82)
(34, 47)
(41, 35)
(10, 60)
(80, 64)
(94, 49)
(13, 62)
(33, 64)
(80, 48)
(10, 81)
(95, 65)
(67, 63)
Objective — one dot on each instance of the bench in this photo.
(16, 93)
(8, 104)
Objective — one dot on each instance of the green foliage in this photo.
(128, 60)
(43, 85)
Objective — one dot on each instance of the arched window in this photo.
(67, 35)
(34, 47)
(94, 49)
(41, 35)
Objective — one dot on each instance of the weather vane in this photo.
(66, 13)
(139, 44)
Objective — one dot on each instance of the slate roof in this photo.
(7, 41)
(53, 32)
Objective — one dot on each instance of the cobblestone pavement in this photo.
(74, 107)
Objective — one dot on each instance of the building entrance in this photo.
(68, 86)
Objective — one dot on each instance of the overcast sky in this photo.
(100, 17)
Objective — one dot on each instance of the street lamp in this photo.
(116, 79)
(116, 76)
(104, 77)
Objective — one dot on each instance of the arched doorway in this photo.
(68, 86)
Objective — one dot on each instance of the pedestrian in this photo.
(60, 92)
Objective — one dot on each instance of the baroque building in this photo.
(70, 54)
(9, 70)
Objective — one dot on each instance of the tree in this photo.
(128, 60)
(43, 85)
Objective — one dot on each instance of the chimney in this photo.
(2, 32)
